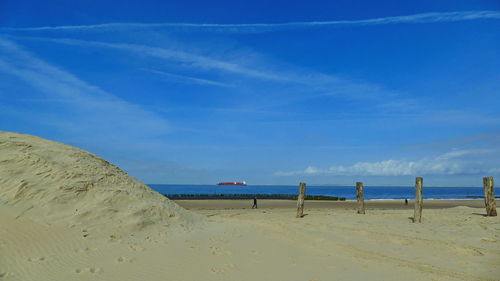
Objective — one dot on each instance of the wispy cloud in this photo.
(269, 27)
(195, 60)
(187, 79)
(308, 84)
(452, 163)
(86, 108)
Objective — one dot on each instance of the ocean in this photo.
(349, 192)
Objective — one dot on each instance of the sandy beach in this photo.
(349, 204)
(66, 214)
(265, 244)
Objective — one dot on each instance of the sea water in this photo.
(349, 192)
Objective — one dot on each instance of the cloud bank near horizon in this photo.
(431, 17)
(459, 162)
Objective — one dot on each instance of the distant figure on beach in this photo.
(254, 203)
(406, 201)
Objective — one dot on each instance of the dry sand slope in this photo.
(66, 214)
(60, 183)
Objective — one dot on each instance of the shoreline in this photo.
(335, 185)
(278, 196)
(316, 204)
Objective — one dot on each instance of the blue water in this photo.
(349, 192)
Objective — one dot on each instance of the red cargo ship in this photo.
(232, 183)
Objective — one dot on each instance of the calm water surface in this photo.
(349, 192)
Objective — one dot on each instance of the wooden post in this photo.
(360, 197)
(300, 200)
(489, 197)
(417, 216)
(485, 185)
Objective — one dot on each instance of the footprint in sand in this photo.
(114, 238)
(217, 239)
(218, 251)
(85, 233)
(5, 274)
(36, 259)
(154, 241)
(256, 256)
(88, 270)
(192, 245)
(123, 260)
(484, 239)
(483, 227)
(135, 248)
(222, 269)
(85, 250)
(468, 251)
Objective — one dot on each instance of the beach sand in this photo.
(349, 204)
(263, 244)
(85, 219)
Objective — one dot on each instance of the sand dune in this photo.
(55, 182)
(124, 231)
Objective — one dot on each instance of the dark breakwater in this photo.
(249, 196)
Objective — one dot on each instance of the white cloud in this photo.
(451, 163)
(269, 27)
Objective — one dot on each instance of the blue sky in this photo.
(264, 91)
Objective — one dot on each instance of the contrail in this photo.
(269, 27)
(187, 78)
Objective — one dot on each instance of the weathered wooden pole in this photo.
(485, 185)
(300, 200)
(489, 197)
(417, 215)
(360, 197)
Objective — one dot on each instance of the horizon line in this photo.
(323, 184)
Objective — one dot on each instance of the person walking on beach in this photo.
(254, 203)
(406, 201)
